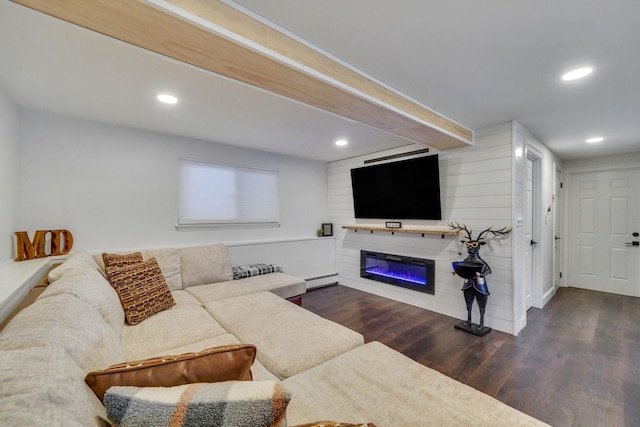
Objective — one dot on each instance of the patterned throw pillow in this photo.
(142, 290)
(225, 363)
(250, 270)
(114, 262)
(230, 403)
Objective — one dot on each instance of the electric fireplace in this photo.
(411, 273)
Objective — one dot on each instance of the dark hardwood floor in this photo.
(577, 363)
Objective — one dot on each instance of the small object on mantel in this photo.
(327, 229)
(61, 243)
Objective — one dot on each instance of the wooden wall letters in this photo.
(61, 243)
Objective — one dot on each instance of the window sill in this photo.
(225, 226)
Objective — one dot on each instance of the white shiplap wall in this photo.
(476, 189)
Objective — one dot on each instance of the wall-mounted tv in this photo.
(406, 189)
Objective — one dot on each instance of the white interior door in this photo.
(528, 232)
(604, 212)
(557, 229)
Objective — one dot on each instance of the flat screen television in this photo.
(406, 189)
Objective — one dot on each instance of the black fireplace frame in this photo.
(429, 265)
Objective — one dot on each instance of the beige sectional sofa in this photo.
(77, 325)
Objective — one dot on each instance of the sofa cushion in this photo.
(65, 321)
(382, 386)
(258, 371)
(79, 260)
(289, 338)
(205, 264)
(231, 403)
(283, 285)
(226, 363)
(184, 298)
(217, 341)
(117, 261)
(168, 329)
(169, 262)
(43, 386)
(334, 424)
(142, 290)
(91, 287)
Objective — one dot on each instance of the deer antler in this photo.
(504, 231)
(457, 226)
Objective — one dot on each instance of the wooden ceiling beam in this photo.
(216, 37)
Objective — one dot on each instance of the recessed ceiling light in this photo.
(167, 99)
(595, 139)
(341, 142)
(578, 73)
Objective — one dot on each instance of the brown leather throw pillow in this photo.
(226, 363)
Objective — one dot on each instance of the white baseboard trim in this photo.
(548, 295)
(317, 282)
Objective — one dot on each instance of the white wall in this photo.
(309, 258)
(9, 174)
(475, 190)
(117, 188)
(603, 162)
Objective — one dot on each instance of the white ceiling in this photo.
(50, 65)
(479, 63)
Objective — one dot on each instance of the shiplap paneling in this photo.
(476, 189)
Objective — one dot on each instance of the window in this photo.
(213, 194)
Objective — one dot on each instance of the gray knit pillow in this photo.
(229, 403)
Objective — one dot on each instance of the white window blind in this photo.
(216, 194)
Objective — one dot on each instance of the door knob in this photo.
(533, 243)
(630, 244)
(556, 238)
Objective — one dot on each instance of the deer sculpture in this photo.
(473, 269)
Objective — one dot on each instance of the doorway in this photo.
(528, 232)
(558, 229)
(528, 226)
(602, 253)
(532, 289)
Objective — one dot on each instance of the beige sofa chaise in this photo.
(77, 325)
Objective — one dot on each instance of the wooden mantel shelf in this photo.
(371, 228)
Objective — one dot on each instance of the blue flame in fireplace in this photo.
(408, 272)
(398, 271)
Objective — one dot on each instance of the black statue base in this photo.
(473, 328)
